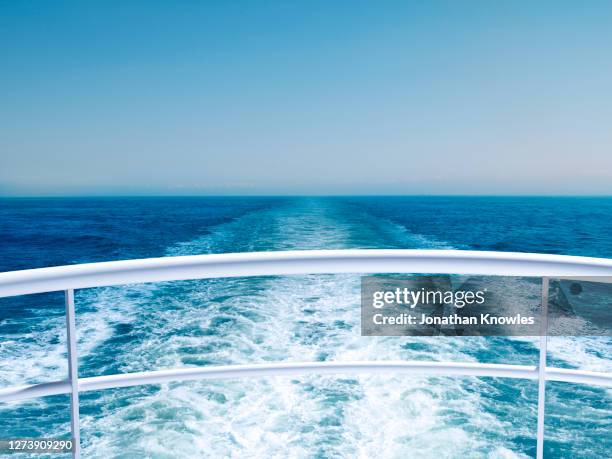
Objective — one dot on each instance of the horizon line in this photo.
(304, 195)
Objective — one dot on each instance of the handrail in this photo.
(68, 278)
(300, 368)
(299, 262)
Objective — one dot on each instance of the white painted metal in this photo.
(542, 368)
(296, 369)
(73, 374)
(25, 392)
(299, 262)
(592, 378)
(293, 369)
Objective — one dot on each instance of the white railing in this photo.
(69, 278)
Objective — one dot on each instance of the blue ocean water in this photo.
(296, 318)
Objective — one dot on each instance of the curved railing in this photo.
(69, 278)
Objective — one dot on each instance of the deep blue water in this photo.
(153, 326)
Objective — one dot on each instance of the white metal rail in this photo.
(68, 278)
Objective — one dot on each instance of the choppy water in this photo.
(298, 318)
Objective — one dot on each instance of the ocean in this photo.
(288, 318)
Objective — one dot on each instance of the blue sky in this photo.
(412, 97)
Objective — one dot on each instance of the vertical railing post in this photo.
(73, 374)
(542, 369)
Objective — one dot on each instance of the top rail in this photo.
(300, 262)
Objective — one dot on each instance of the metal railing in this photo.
(69, 278)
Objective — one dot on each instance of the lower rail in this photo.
(296, 369)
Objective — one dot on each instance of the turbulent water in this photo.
(292, 318)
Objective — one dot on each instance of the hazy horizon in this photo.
(270, 195)
(376, 98)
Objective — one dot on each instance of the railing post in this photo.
(73, 374)
(542, 369)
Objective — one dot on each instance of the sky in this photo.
(305, 97)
